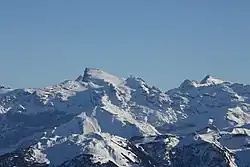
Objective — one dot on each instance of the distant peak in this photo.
(92, 70)
(2, 87)
(82, 76)
(207, 78)
(211, 80)
(134, 82)
(96, 75)
(87, 74)
(188, 84)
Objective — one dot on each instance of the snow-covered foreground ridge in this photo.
(100, 120)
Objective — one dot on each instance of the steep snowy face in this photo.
(85, 160)
(201, 154)
(29, 157)
(69, 123)
(196, 150)
(103, 150)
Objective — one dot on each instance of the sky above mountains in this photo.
(45, 42)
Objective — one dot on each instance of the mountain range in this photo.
(101, 120)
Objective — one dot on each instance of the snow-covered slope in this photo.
(92, 118)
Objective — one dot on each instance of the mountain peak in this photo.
(187, 84)
(211, 80)
(96, 75)
(87, 74)
(2, 87)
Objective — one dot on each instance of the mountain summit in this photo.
(211, 80)
(97, 75)
(101, 120)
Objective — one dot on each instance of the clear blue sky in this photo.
(46, 41)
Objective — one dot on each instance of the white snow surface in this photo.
(98, 112)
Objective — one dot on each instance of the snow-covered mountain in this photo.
(100, 120)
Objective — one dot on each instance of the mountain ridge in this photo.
(98, 114)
